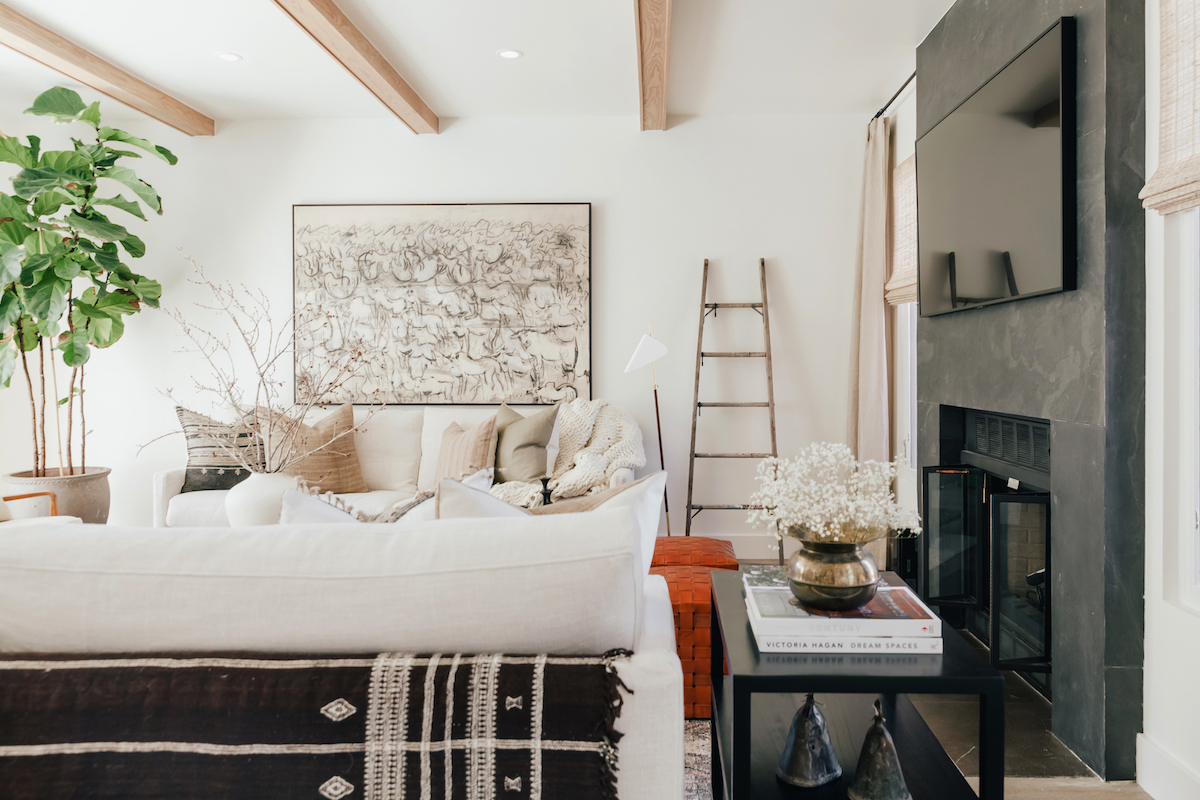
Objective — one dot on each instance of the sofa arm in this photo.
(620, 478)
(166, 485)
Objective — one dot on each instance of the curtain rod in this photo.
(879, 113)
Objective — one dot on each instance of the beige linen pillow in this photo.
(521, 444)
(464, 452)
(456, 500)
(334, 469)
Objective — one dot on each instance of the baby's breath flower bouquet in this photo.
(826, 495)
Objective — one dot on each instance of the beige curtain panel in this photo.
(1175, 186)
(868, 434)
(902, 287)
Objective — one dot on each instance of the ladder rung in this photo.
(733, 355)
(733, 405)
(733, 305)
(733, 455)
(742, 507)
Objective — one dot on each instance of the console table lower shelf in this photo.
(929, 772)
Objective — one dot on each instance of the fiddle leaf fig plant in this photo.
(65, 286)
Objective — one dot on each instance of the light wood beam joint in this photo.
(654, 57)
(45, 46)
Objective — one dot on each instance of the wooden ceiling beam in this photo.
(41, 44)
(331, 29)
(654, 57)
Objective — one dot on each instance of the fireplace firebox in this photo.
(986, 546)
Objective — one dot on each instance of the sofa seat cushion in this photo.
(198, 510)
(567, 584)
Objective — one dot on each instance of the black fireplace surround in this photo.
(1076, 359)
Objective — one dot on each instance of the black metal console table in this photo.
(755, 695)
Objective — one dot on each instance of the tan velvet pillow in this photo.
(465, 452)
(521, 444)
(334, 469)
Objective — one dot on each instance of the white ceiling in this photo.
(728, 57)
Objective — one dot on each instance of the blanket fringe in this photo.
(613, 703)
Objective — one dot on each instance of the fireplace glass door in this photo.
(1020, 618)
(955, 539)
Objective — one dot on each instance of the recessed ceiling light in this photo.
(509, 53)
(229, 56)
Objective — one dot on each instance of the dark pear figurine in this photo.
(808, 759)
(878, 776)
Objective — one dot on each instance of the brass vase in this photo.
(832, 576)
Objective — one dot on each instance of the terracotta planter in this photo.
(85, 495)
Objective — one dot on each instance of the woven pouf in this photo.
(686, 564)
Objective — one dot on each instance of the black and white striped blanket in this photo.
(389, 727)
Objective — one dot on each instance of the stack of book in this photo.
(895, 621)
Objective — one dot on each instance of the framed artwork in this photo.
(458, 304)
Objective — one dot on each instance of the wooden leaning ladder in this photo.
(706, 308)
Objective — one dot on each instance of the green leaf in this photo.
(26, 334)
(31, 182)
(114, 135)
(97, 226)
(105, 332)
(66, 269)
(10, 310)
(14, 152)
(74, 347)
(91, 115)
(62, 104)
(8, 364)
(49, 202)
(13, 209)
(42, 242)
(47, 300)
(133, 245)
(120, 202)
(65, 161)
(10, 268)
(144, 191)
(144, 289)
(35, 144)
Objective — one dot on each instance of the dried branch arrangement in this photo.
(263, 417)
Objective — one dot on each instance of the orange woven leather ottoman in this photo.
(686, 564)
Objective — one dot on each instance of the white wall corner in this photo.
(1163, 776)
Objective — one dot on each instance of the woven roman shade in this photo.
(902, 287)
(1175, 186)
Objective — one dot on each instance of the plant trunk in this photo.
(71, 419)
(82, 427)
(45, 468)
(37, 462)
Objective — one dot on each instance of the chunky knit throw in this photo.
(595, 439)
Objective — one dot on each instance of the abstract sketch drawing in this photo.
(459, 303)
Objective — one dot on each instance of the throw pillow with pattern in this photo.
(211, 463)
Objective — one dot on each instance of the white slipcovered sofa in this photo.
(397, 450)
(564, 584)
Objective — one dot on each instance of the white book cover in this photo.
(894, 611)
(890, 645)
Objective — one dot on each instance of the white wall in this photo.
(1168, 750)
(728, 189)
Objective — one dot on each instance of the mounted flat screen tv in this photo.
(996, 185)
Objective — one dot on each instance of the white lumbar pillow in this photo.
(458, 500)
(300, 508)
(427, 510)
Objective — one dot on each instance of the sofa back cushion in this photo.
(566, 584)
(389, 448)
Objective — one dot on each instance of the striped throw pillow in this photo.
(465, 452)
(211, 463)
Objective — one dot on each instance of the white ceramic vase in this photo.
(258, 499)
